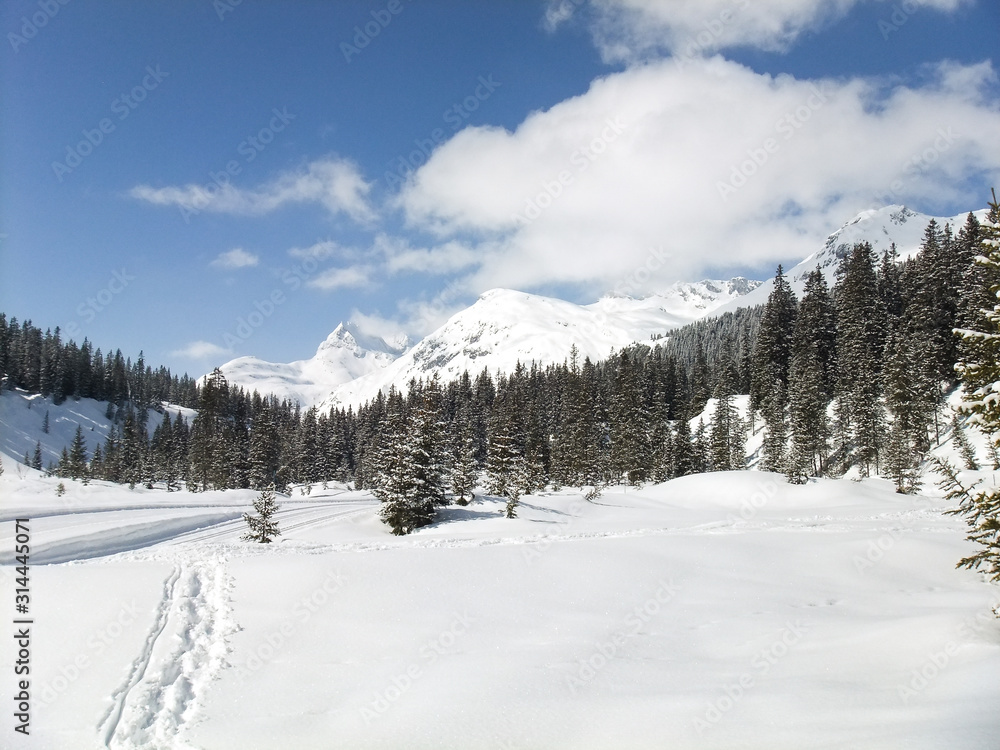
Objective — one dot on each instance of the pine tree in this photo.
(860, 343)
(45, 422)
(807, 419)
(982, 515)
(428, 446)
(264, 452)
(411, 482)
(96, 463)
(901, 464)
(661, 439)
(773, 348)
(770, 370)
(36, 461)
(77, 466)
(727, 433)
(979, 370)
(629, 417)
(504, 456)
(685, 460)
(909, 408)
(211, 465)
(262, 526)
(775, 445)
(405, 505)
(965, 449)
(513, 497)
(464, 471)
(979, 364)
(132, 451)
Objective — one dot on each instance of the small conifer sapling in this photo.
(262, 527)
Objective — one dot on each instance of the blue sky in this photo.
(205, 180)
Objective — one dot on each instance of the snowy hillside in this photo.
(345, 355)
(505, 327)
(22, 422)
(880, 227)
(715, 611)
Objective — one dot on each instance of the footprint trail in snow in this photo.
(184, 651)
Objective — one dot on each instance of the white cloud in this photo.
(417, 317)
(632, 29)
(322, 250)
(558, 12)
(401, 257)
(389, 330)
(201, 350)
(235, 258)
(342, 278)
(657, 156)
(334, 183)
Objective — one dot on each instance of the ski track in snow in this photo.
(183, 653)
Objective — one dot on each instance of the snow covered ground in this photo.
(716, 611)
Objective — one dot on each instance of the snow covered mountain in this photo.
(345, 355)
(500, 329)
(880, 227)
(505, 327)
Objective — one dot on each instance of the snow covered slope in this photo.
(22, 421)
(345, 355)
(504, 327)
(881, 227)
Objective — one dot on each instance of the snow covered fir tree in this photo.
(262, 527)
(979, 368)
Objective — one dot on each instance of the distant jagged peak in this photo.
(348, 335)
(882, 228)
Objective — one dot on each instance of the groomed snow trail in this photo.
(185, 649)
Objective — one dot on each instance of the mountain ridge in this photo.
(505, 326)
